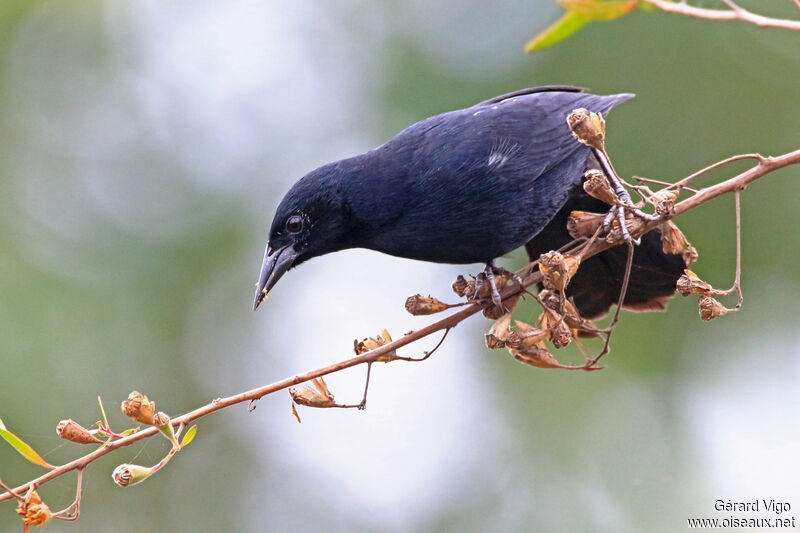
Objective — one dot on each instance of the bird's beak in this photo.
(276, 262)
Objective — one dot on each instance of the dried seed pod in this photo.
(485, 290)
(587, 127)
(316, 396)
(371, 343)
(499, 332)
(460, 285)
(709, 308)
(525, 336)
(560, 334)
(690, 283)
(597, 186)
(536, 355)
(33, 510)
(139, 408)
(493, 312)
(160, 419)
(425, 305)
(126, 475)
(690, 255)
(74, 432)
(673, 241)
(664, 202)
(557, 269)
(584, 224)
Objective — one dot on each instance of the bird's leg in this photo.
(487, 276)
(489, 272)
(626, 203)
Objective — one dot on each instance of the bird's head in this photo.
(311, 220)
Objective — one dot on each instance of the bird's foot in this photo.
(487, 277)
(620, 212)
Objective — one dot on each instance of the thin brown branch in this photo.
(735, 13)
(764, 166)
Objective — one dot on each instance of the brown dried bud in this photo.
(709, 308)
(493, 342)
(74, 432)
(557, 269)
(316, 396)
(139, 408)
(560, 334)
(424, 305)
(493, 312)
(126, 475)
(160, 419)
(33, 510)
(525, 336)
(673, 241)
(587, 127)
(499, 332)
(690, 283)
(597, 186)
(538, 356)
(664, 202)
(690, 255)
(584, 224)
(371, 343)
(460, 285)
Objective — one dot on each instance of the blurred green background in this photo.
(143, 149)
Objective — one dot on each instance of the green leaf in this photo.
(563, 28)
(23, 448)
(129, 431)
(600, 9)
(189, 435)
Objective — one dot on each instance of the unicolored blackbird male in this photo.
(469, 186)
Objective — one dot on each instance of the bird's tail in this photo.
(597, 284)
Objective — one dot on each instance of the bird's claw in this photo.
(488, 276)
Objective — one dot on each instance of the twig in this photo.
(735, 13)
(764, 166)
(610, 329)
(737, 281)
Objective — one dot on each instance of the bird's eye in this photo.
(294, 224)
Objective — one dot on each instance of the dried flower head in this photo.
(74, 432)
(539, 357)
(499, 332)
(664, 202)
(525, 336)
(424, 305)
(139, 408)
(460, 285)
(557, 269)
(597, 186)
(709, 308)
(560, 334)
(126, 475)
(33, 510)
(160, 419)
(493, 312)
(587, 127)
(690, 283)
(317, 396)
(371, 343)
(584, 224)
(673, 241)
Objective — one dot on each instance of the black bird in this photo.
(468, 186)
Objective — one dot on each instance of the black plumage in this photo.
(462, 187)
